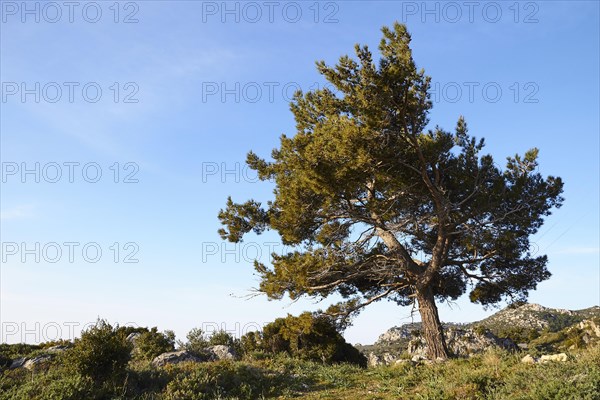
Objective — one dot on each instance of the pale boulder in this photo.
(528, 359)
(561, 357)
(175, 357)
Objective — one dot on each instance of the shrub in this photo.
(561, 321)
(272, 336)
(196, 341)
(101, 353)
(480, 330)
(223, 379)
(14, 351)
(548, 341)
(308, 336)
(52, 343)
(152, 343)
(516, 304)
(250, 342)
(518, 334)
(4, 362)
(127, 330)
(57, 384)
(145, 382)
(221, 338)
(574, 338)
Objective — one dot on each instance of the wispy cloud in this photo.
(22, 211)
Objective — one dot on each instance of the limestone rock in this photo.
(32, 363)
(528, 359)
(37, 362)
(373, 360)
(175, 357)
(408, 331)
(221, 352)
(590, 327)
(58, 348)
(386, 358)
(17, 363)
(398, 333)
(537, 317)
(561, 357)
(463, 342)
(132, 337)
(418, 358)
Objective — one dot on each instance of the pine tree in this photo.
(378, 206)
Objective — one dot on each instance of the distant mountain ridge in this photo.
(525, 326)
(537, 317)
(527, 316)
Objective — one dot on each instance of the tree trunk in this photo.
(432, 327)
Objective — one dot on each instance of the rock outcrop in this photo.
(536, 317)
(384, 359)
(38, 361)
(58, 348)
(18, 363)
(590, 330)
(175, 357)
(410, 343)
(463, 342)
(408, 331)
(398, 333)
(221, 352)
(133, 337)
(212, 353)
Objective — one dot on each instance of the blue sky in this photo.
(191, 87)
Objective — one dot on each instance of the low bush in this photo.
(151, 343)
(221, 338)
(56, 384)
(493, 375)
(307, 336)
(223, 379)
(101, 354)
(517, 334)
(196, 341)
(14, 351)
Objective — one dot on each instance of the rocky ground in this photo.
(524, 352)
(527, 326)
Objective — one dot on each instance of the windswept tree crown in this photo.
(379, 206)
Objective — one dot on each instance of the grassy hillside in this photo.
(102, 364)
(494, 375)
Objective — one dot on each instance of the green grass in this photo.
(494, 375)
